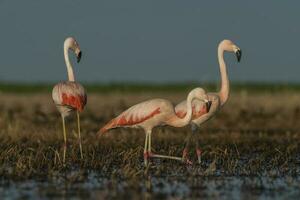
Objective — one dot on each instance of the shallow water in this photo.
(256, 158)
(173, 187)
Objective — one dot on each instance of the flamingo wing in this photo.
(70, 94)
(135, 115)
(199, 109)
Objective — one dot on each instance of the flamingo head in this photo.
(238, 53)
(71, 43)
(229, 46)
(201, 95)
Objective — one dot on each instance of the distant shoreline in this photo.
(19, 87)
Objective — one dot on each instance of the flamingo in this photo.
(70, 96)
(217, 100)
(152, 113)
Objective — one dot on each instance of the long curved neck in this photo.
(189, 111)
(224, 91)
(68, 64)
(180, 122)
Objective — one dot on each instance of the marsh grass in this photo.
(137, 87)
(255, 135)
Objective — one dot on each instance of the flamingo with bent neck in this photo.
(69, 95)
(152, 113)
(217, 100)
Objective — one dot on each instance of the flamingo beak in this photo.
(238, 54)
(208, 105)
(79, 56)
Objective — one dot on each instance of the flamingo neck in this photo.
(189, 112)
(180, 122)
(224, 91)
(68, 64)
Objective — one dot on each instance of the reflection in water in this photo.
(96, 187)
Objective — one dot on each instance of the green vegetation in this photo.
(251, 145)
(147, 87)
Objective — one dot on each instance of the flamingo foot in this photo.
(185, 157)
(199, 152)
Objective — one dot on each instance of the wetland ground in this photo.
(250, 149)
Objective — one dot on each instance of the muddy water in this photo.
(95, 187)
(265, 139)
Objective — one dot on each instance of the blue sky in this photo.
(154, 41)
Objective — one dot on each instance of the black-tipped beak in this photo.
(208, 105)
(79, 56)
(238, 54)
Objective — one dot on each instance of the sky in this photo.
(149, 40)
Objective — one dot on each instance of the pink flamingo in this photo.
(69, 95)
(217, 100)
(153, 113)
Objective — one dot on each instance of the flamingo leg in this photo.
(65, 138)
(150, 154)
(145, 150)
(188, 143)
(149, 143)
(198, 150)
(166, 157)
(79, 134)
(186, 148)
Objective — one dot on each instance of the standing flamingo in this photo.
(217, 100)
(69, 95)
(152, 113)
